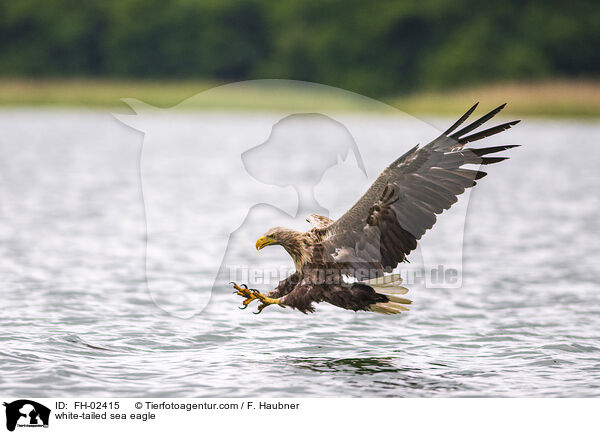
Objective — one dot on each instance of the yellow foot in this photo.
(252, 294)
(247, 293)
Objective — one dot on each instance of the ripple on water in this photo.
(78, 319)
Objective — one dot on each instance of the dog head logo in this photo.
(205, 178)
(26, 413)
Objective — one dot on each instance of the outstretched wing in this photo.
(377, 233)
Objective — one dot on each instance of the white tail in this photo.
(390, 287)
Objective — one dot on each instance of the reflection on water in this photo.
(78, 319)
(358, 366)
(385, 374)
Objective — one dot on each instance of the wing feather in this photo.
(377, 233)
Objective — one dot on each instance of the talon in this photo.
(251, 294)
(236, 286)
(265, 301)
(244, 291)
(260, 308)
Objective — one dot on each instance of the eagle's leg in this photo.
(253, 294)
(266, 301)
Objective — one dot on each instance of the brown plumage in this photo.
(382, 228)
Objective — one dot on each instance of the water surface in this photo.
(78, 320)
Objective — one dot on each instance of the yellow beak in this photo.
(263, 242)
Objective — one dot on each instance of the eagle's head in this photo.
(279, 237)
(292, 241)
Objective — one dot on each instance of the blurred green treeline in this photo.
(382, 47)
